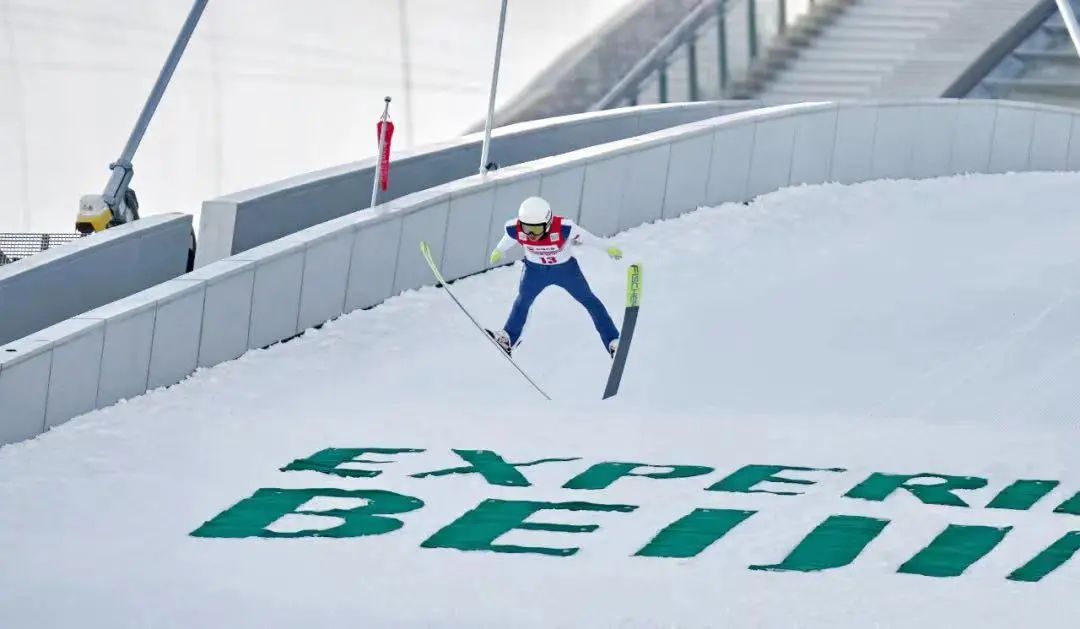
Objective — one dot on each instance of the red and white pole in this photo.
(385, 132)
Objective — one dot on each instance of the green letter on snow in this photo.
(690, 535)
(879, 486)
(953, 552)
(1070, 506)
(480, 528)
(1022, 495)
(744, 480)
(329, 461)
(492, 467)
(835, 543)
(1049, 560)
(602, 475)
(251, 517)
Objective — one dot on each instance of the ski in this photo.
(626, 335)
(426, 251)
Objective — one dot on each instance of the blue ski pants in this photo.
(568, 276)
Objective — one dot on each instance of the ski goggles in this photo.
(534, 230)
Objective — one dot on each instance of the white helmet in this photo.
(534, 211)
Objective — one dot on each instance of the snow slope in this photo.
(267, 89)
(889, 328)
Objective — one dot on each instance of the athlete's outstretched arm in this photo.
(582, 236)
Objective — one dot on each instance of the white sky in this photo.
(268, 89)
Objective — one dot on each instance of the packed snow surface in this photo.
(888, 328)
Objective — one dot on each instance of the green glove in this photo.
(496, 256)
(615, 253)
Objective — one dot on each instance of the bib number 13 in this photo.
(549, 260)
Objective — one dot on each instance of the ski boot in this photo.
(502, 338)
(612, 348)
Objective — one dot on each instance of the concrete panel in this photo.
(428, 224)
(24, 389)
(578, 135)
(76, 368)
(893, 141)
(217, 220)
(162, 253)
(973, 138)
(602, 195)
(275, 303)
(509, 195)
(326, 272)
(811, 159)
(931, 149)
(1012, 140)
(177, 332)
(729, 172)
(125, 358)
(853, 152)
(247, 219)
(563, 189)
(644, 186)
(1074, 145)
(770, 163)
(648, 122)
(1050, 141)
(226, 310)
(141, 254)
(374, 258)
(688, 175)
(468, 231)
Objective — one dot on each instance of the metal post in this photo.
(751, 28)
(782, 24)
(1069, 17)
(691, 62)
(494, 88)
(122, 170)
(721, 35)
(663, 82)
(406, 71)
(377, 179)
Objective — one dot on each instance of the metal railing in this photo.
(14, 247)
(714, 49)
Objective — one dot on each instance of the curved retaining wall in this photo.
(64, 281)
(240, 221)
(276, 290)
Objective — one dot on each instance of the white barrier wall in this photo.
(240, 221)
(278, 289)
(53, 285)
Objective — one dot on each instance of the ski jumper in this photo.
(549, 262)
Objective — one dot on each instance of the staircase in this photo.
(885, 49)
(1044, 68)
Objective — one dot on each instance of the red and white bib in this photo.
(549, 250)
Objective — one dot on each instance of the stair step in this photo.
(1052, 85)
(885, 24)
(892, 35)
(857, 48)
(1054, 56)
(813, 92)
(821, 84)
(840, 56)
(899, 14)
(862, 73)
(836, 78)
